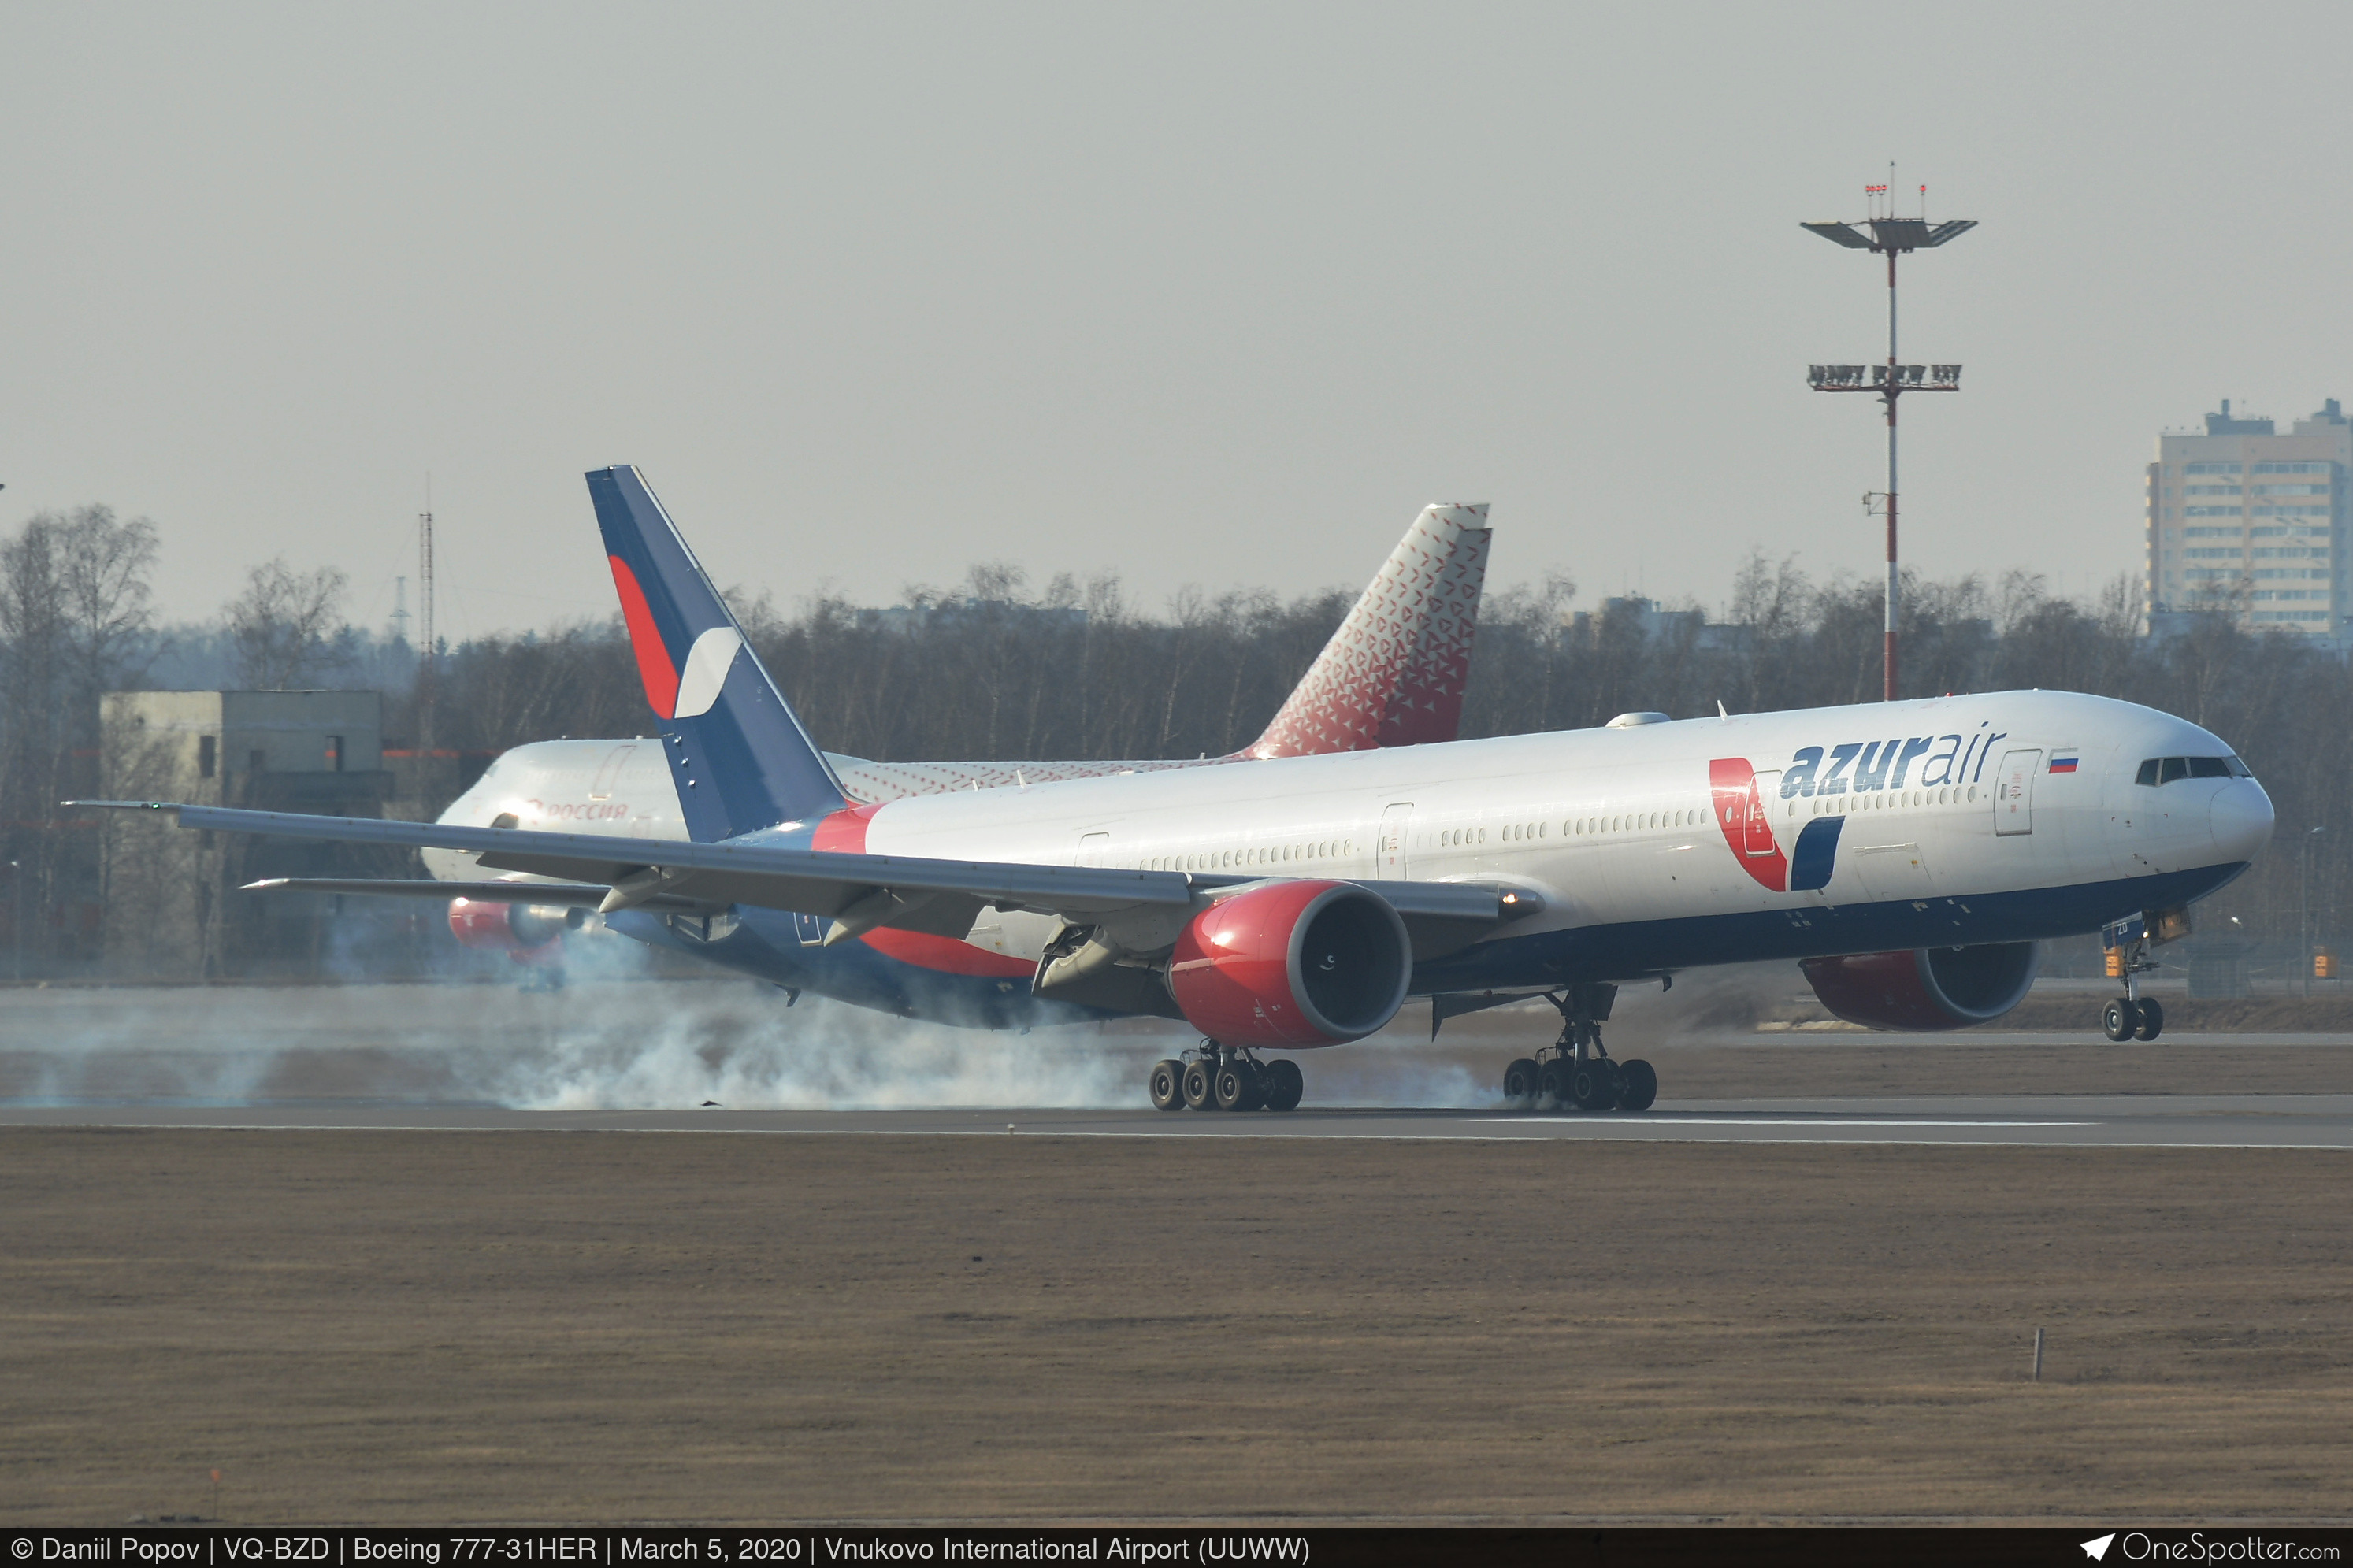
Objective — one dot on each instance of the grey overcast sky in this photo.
(1202, 293)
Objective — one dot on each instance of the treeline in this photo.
(995, 671)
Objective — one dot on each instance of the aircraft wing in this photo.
(562, 895)
(860, 892)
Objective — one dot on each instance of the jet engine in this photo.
(1925, 989)
(1292, 963)
(528, 933)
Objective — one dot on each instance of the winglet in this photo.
(1393, 674)
(740, 757)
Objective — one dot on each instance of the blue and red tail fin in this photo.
(740, 757)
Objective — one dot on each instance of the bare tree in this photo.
(74, 613)
(286, 627)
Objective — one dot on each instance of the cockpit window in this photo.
(2165, 769)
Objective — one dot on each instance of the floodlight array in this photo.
(1881, 377)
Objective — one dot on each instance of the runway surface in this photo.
(2082, 1121)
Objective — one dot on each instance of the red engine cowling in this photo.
(1296, 964)
(1929, 988)
(528, 933)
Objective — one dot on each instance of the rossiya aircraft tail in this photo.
(1393, 674)
(740, 757)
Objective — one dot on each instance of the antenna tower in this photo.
(428, 648)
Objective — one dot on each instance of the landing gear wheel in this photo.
(1520, 1080)
(2152, 1020)
(1593, 1085)
(1167, 1084)
(1285, 1084)
(1237, 1087)
(1200, 1093)
(1551, 1081)
(1638, 1085)
(2119, 1019)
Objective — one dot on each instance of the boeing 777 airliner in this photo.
(1911, 856)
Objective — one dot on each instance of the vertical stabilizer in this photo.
(1393, 674)
(740, 758)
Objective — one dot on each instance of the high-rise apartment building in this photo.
(2247, 519)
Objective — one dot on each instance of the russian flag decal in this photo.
(2063, 763)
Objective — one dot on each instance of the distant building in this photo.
(2248, 520)
(171, 903)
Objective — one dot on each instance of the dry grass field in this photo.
(390, 1327)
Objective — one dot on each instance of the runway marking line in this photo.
(1630, 1128)
(1762, 1121)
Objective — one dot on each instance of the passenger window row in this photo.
(2157, 770)
(2165, 769)
(1455, 837)
(1262, 854)
(1846, 804)
(1578, 827)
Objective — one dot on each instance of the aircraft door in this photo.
(1389, 849)
(1758, 839)
(2014, 792)
(810, 929)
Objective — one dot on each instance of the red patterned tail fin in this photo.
(1393, 674)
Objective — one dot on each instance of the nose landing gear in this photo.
(2133, 1017)
(1576, 1068)
(1221, 1078)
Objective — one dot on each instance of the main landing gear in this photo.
(2133, 1017)
(1577, 1069)
(1221, 1078)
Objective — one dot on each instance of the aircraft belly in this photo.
(1628, 949)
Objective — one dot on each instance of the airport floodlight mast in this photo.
(1885, 234)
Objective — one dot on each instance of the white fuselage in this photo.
(1606, 826)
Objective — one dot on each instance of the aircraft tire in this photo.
(1237, 1087)
(1593, 1085)
(1168, 1085)
(1199, 1087)
(2119, 1019)
(1285, 1084)
(1551, 1081)
(1520, 1081)
(2152, 1020)
(1638, 1085)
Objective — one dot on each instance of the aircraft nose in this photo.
(2240, 819)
